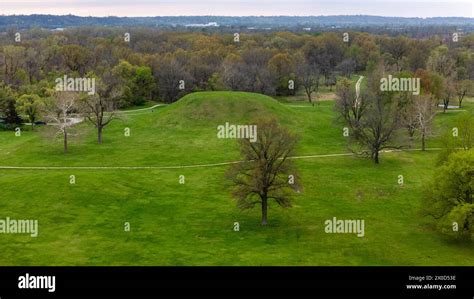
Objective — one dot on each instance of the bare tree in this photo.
(256, 69)
(347, 67)
(373, 118)
(233, 73)
(308, 76)
(448, 93)
(397, 48)
(425, 111)
(463, 88)
(170, 73)
(441, 62)
(409, 114)
(350, 104)
(59, 112)
(266, 172)
(100, 108)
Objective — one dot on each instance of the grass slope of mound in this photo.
(182, 133)
(206, 108)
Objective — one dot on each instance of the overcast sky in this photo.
(402, 8)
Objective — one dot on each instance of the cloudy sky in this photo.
(403, 8)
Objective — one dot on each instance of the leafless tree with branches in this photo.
(60, 113)
(266, 172)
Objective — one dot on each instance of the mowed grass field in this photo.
(192, 223)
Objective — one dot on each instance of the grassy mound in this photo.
(162, 136)
(206, 108)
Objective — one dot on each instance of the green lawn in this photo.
(192, 224)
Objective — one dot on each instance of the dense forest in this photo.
(145, 64)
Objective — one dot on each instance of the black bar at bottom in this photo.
(241, 282)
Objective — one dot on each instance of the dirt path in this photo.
(180, 166)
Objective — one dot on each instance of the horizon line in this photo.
(228, 16)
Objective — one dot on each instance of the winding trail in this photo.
(182, 166)
(131, 112)
(139, 110)
(77, 120)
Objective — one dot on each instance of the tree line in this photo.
(153, 63)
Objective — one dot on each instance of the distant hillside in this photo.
(266, 23)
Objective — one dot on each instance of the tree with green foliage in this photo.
(13, 61)
(8, 108)
(31, 106)
(124, 72)
(142, 86)
(448, 198)
(137, 82)
(458, 138)
(282, 68)
(465, 130)
(215, 82)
